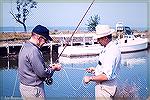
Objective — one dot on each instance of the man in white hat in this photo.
(106, 71)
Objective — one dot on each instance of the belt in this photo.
(32, 85)
(107, 82)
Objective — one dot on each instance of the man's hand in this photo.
(86, 79)
(56, 67)
(90, 70)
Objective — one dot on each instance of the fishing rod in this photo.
(49, 81)
(74, 31)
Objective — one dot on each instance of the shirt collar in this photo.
(34, 44)
(107, 46)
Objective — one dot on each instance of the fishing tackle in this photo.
(49, 81)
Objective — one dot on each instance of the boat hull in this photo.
(131, 45)
(75, 51)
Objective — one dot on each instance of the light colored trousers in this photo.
(32, 92)
(104, 92)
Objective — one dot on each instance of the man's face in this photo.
(42, 40)
(102, 41)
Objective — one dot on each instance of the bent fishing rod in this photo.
(49, 80)
(74, 31)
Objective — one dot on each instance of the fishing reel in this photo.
(49, 81)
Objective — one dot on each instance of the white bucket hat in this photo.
(103, 30)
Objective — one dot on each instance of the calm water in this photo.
(29, 29)
(133, 81)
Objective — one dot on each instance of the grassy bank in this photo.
(17, 37)
(14, 36)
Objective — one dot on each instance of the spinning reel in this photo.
(49, 81)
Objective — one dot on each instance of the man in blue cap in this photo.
(32, 69)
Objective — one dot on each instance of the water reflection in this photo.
(8, 63)
(131, 59)
(11, 62)
(133, 77)
(128, 60)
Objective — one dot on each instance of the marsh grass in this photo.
(12, 36)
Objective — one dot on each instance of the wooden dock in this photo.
(12, 50)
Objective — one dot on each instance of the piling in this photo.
(54, 53)
(13, 50)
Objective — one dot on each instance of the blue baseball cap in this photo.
(41, 30)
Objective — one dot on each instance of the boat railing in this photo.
(129, 36)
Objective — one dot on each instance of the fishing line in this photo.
(68, 77)
(14, 85)
(74, 68)
(71, 83)
(75, 30)
(55, 88)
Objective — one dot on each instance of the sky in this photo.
(69, 14)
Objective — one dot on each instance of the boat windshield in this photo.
(128, 31)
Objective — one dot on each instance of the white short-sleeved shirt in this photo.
(109, 61)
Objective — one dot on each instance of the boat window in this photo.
(128, 31)
(125, 41)
(126, 36)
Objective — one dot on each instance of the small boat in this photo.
(129, 43)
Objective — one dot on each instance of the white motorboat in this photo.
(83, 50)
(132, 44)
(126, 41)
(129, 43)
(125, 44)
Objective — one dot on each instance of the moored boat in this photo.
(132, 44)
(126, 41)
(129, 43)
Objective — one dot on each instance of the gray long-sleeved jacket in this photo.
(32, 69)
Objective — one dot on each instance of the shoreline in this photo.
(20, 37)
(10, 43)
